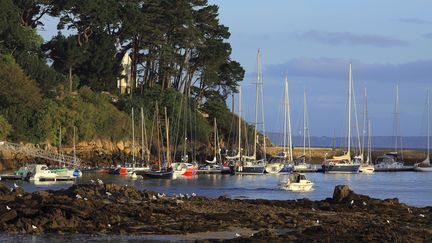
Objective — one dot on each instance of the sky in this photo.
(388, 42)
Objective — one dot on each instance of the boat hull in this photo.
(423, 169)
(341, 168)
(367, 169)
(155, 174)
(251, 170)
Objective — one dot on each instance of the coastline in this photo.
(121, 210)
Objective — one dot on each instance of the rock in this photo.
(341, 192)
(7, 216)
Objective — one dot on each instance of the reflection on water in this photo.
(409, 187)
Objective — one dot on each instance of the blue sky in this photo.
(387, 41)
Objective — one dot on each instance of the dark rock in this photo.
(341, 192)
(8, 216)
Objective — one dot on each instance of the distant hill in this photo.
(384, 142)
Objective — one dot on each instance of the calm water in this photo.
(412, 188)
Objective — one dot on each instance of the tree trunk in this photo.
(70, 79)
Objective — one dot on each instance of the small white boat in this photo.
(367, 168)
(297, 182)
(423, 166)
(39, 172)
(184, 169)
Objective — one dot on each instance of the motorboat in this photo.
(40, 172)
(184, 169)
(389, 162)
(278, 165)
(297, 182)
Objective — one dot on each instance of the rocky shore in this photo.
(121, 210)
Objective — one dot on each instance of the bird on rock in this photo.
(108, 194)
(8, 208)
(78, 196)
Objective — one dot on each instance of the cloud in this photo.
(336, 69)
(428, 35)
(415, 21)
(347, 38)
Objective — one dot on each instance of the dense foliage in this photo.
(180, 59)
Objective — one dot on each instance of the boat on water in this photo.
(297, 182)
(278, 165)
(41, 172)
(184, 169)
(344, 163)
(425, 165)
(301, 166)
(252, 165)
(366, 167)
(390, 163)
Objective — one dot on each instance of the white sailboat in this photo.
(281, 164)
(366, 165)
(391, 161)
(300, 164)
(425, 165)
(250, 164)
(344, 163)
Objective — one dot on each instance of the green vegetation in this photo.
(180, 59)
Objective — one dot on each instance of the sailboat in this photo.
(250, 164)
(163, 170)
(366, 166)
(183, 167)
(132, 168)
(281, 163)
(300, 164)
(425, 165)
(391, 161)
(344, 163)
(215, 166)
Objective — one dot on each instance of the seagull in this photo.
(109, 225)
(34, 227)
(421, 215)
(19, 195)
(238, 235)
(313, 209)
(352, 202)
(154, 197)
(15, 185)
(160, 195)
(8, 208)
(187, 196)
(181, 195)
(388, 221)
(409, 210)
(92, 181)
(78, 196)
(99, 181)
(364, 203)
(108, 194)
(193, 194)
(85, 199)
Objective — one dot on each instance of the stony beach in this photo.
(122, 210)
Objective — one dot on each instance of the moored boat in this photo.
(297, 182)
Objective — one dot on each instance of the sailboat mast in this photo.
(396, 128)
(158, 137)
(428, 123)
(256, 102)
(362, 149)
(369, 143)
(349, 109)
(289, 120)
(285, 116)
(168, 156)
(74, 149)
(304, 123)
(239, 124)
(133, 139)
(215, 138)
